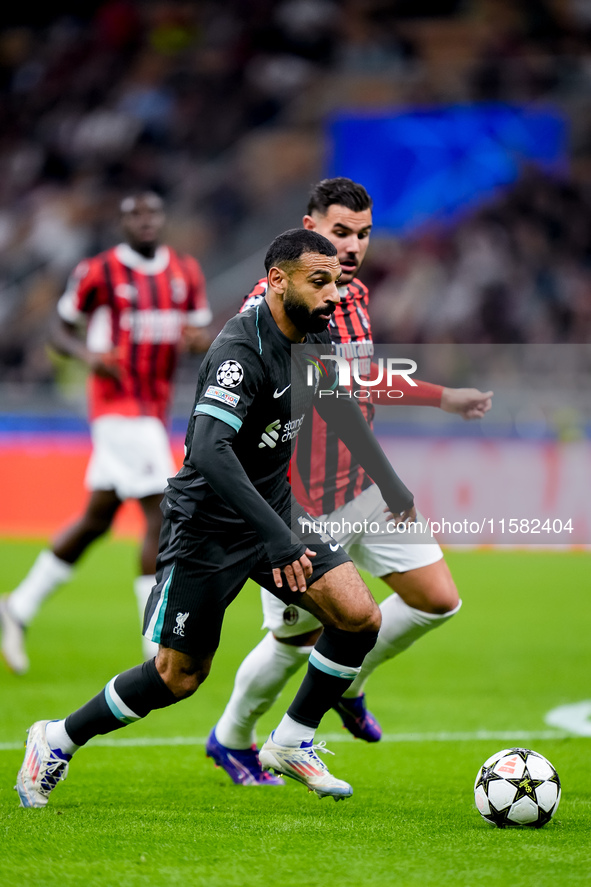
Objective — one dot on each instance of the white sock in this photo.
(142, 587)
(292, 734)
(58, 738)
(258, 682)
(47, 573)
(401, 626)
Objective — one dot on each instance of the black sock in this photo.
(330, 673)
(125, 699)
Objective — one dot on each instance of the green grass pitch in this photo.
(159, 813)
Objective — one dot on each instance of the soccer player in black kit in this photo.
(228, 516)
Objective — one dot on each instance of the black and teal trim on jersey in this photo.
(258, 330)
(217, 413)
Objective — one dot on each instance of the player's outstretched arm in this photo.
(470, 403)
(422, 394)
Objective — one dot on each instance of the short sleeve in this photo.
(232, 375)
(84, 292)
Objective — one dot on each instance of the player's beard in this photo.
(303, 319)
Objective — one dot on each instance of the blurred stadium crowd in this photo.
(220, 108)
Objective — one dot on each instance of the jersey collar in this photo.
(132, 259)
(265, 313)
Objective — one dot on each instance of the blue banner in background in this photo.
(433, 165)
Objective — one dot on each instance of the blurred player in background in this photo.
(330, 483)
(143, 303)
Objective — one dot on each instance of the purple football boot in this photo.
(357, 719)
(242, 765)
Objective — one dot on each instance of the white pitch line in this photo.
(479, 735)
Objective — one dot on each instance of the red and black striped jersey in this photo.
(324, 475)
(136, 309)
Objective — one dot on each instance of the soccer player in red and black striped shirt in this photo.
(329, 482)
(142, 302)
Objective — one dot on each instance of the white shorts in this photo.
(130, 455)
(349, 525)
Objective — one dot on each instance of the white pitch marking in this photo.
(477, 736)
(576, 718)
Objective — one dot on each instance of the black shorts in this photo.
(199, 573)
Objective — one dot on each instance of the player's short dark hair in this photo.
(289, 246)
(339, 191)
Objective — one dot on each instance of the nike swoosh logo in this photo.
(279, 393)
(334, 547)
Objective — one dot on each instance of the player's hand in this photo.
(106, 364)
(470, 403)
(404, 517)
(296, 573)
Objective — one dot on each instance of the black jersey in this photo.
(324, 475)
(248, 381)
(250, 404)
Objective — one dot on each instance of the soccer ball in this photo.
(517, 786)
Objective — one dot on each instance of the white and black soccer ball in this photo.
(517, 786)
(229, 374)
